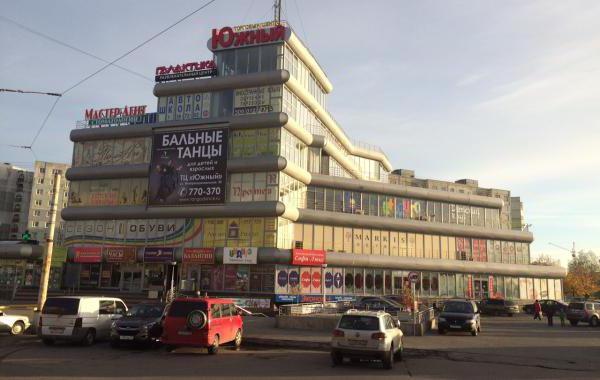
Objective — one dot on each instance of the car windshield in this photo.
(458, 307)
(146, 311)
(359, 322)
(61, 306)
(183, 308)
(576, 305)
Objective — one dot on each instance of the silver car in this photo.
(367, 335)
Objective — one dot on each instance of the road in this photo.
(508, 348)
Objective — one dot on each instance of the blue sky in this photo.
(507, 92)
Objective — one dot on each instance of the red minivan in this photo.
(201, 322)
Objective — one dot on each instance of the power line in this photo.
(112, 63)
(301, 23)
(75, 48)
(29, 92)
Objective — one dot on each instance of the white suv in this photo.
(367, 334)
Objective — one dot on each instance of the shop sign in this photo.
(159, 254)
(188, 167)
(282, 278)
(286, 298)
(237, 255)
(229, 37)
(186, 71)
(316, 280)
(59, 256)
(338, 280)
(470, 286)
(303, 298)
(294, 278)
(305, 279)
(491, 286)
(254, 303)
(117, 116)
(199, 255)
(88, 254)
(308, 257)
(120, 254)
(256, 100)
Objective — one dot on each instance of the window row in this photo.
(109, 192)
(354, 202)
(249, 60)
(248, 187)
(391, 243)
(293, 150)
(302, 73)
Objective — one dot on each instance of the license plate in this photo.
(354, 342)
(455, 326)
(57, 330)
(184, 333)
(126, 337)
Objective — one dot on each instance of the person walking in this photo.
(537, 310)
(550, 315)
(562, 315)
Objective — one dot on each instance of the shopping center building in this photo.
(244, 184)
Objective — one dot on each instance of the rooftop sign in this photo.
(116, 116)
(186, 71)
(246, 35)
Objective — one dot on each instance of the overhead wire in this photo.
(301, 23)
(29, 92)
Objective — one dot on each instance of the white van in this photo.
(78, 319)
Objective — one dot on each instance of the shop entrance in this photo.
(131, 279)
(480, 288)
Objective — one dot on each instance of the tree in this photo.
(545, 259)
(583, 277)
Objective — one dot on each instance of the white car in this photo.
(15, 324)
(367, 335)
(78, 319)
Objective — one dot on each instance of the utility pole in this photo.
(49, 245)
(277, 10)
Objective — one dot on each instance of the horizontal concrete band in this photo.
(233, 209)
(21, 251)
(265, 120)
(267, 78)
(236, 165)
(404, 191)
(412, 226)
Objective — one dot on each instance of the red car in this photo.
(201, 322)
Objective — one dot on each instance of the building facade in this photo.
(15, 193)
(246, 186)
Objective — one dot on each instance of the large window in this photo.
(249, 60)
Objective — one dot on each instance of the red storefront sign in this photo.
(305, 279)
(199, 255)
(88, 255)
(227, 37)
(120, 254)
(491, 286)
(92, 114)
(470, 286)
(316, 280)
(308, 257)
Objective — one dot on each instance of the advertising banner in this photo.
(308, 257)
(236, 255)
(281, 280)
(188, 167)
(199, 255)
(491, 286)
(159, 254)
(256, 100)
(120, 254)
(88, 255)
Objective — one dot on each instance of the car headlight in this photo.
(441, 319)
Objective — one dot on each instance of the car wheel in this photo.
(89, 338)
(398, 354)
(573, 322)
(17, 328)
(594, 321)
(441, 331)
(48, 342)
(388, 361)
(336, 358)
(214, 348)
(238, 339)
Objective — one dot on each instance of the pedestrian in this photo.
(537, 310)
(562, 315)
(550, 315)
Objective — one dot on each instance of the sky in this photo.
(505, 92)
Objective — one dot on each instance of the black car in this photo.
(378, 304)
(547, 305)
(495, 306)
(140, 325)
(459, 315)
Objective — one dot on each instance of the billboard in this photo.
(236, 255)
(159, 254)
(257, 100)
(188, 167)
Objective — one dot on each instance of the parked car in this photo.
(377, 304)
(547, 305)
(14, 324)
(459, 315)
(201, 322)
(588, 312)
(496, 306)
(78, 319)
(140, 325)
(367, 335)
